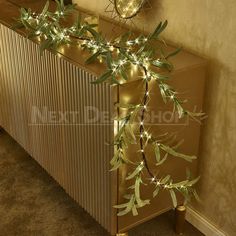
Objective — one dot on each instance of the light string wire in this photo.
(130, 52)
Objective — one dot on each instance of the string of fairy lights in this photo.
(120, 55)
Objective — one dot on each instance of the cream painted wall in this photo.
(207, 28)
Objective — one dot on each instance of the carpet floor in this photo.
(33, 204)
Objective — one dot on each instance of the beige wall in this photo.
(208, 28)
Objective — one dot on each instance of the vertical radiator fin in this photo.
(73, 152)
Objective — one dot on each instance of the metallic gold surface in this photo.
(68, 153)
(72, 150)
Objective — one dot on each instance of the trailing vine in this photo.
(120, 55)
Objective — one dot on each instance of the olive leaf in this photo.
(161, 27)
(157, 153)
(162, 160)
(103, 77)
(135, 172)
(173, 197)
(175, 52)
(177, 154)
(156, 191)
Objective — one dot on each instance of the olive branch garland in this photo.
(120, 55)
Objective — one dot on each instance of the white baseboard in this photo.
(202, 224)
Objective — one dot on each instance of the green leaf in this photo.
(163, 64)
(160, 76)
(134, 211)
(62, 4)
(180, 110)
(156, 191)
(159, 29)
(135, 172)
(23, 11)
(114, 80)
(116, 165)
(17, 25)
(109, 60)
(177, 154)
(123, 75)
(178, 144)
(137, 191)
(45, 44)
(103, 77)
(140, 203)
(162, 160)
(121, 206)
(130, 134)
(126, 106)
(165, 180)
(27, 25)
(125, 37)
(128, 207)
(179, 184)
(173, 53)
(93, 57)
(194, 181)
(196, 116)
(128, 196)
(163, 94)
(95, 34)
(115, 158)
(157, 153)
(78, 22)
(45, 9)
(173, 197)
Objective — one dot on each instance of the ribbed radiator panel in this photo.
(73, 152)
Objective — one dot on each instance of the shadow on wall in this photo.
(218, 132)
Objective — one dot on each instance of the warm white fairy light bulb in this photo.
(111, 48)
(38, 32)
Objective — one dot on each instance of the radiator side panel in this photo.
(46, 105)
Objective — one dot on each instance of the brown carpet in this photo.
(33, 204)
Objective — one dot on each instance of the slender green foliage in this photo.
(120, 55)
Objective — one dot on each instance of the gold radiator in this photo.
(46, 103)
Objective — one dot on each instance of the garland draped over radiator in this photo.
(119, 55)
